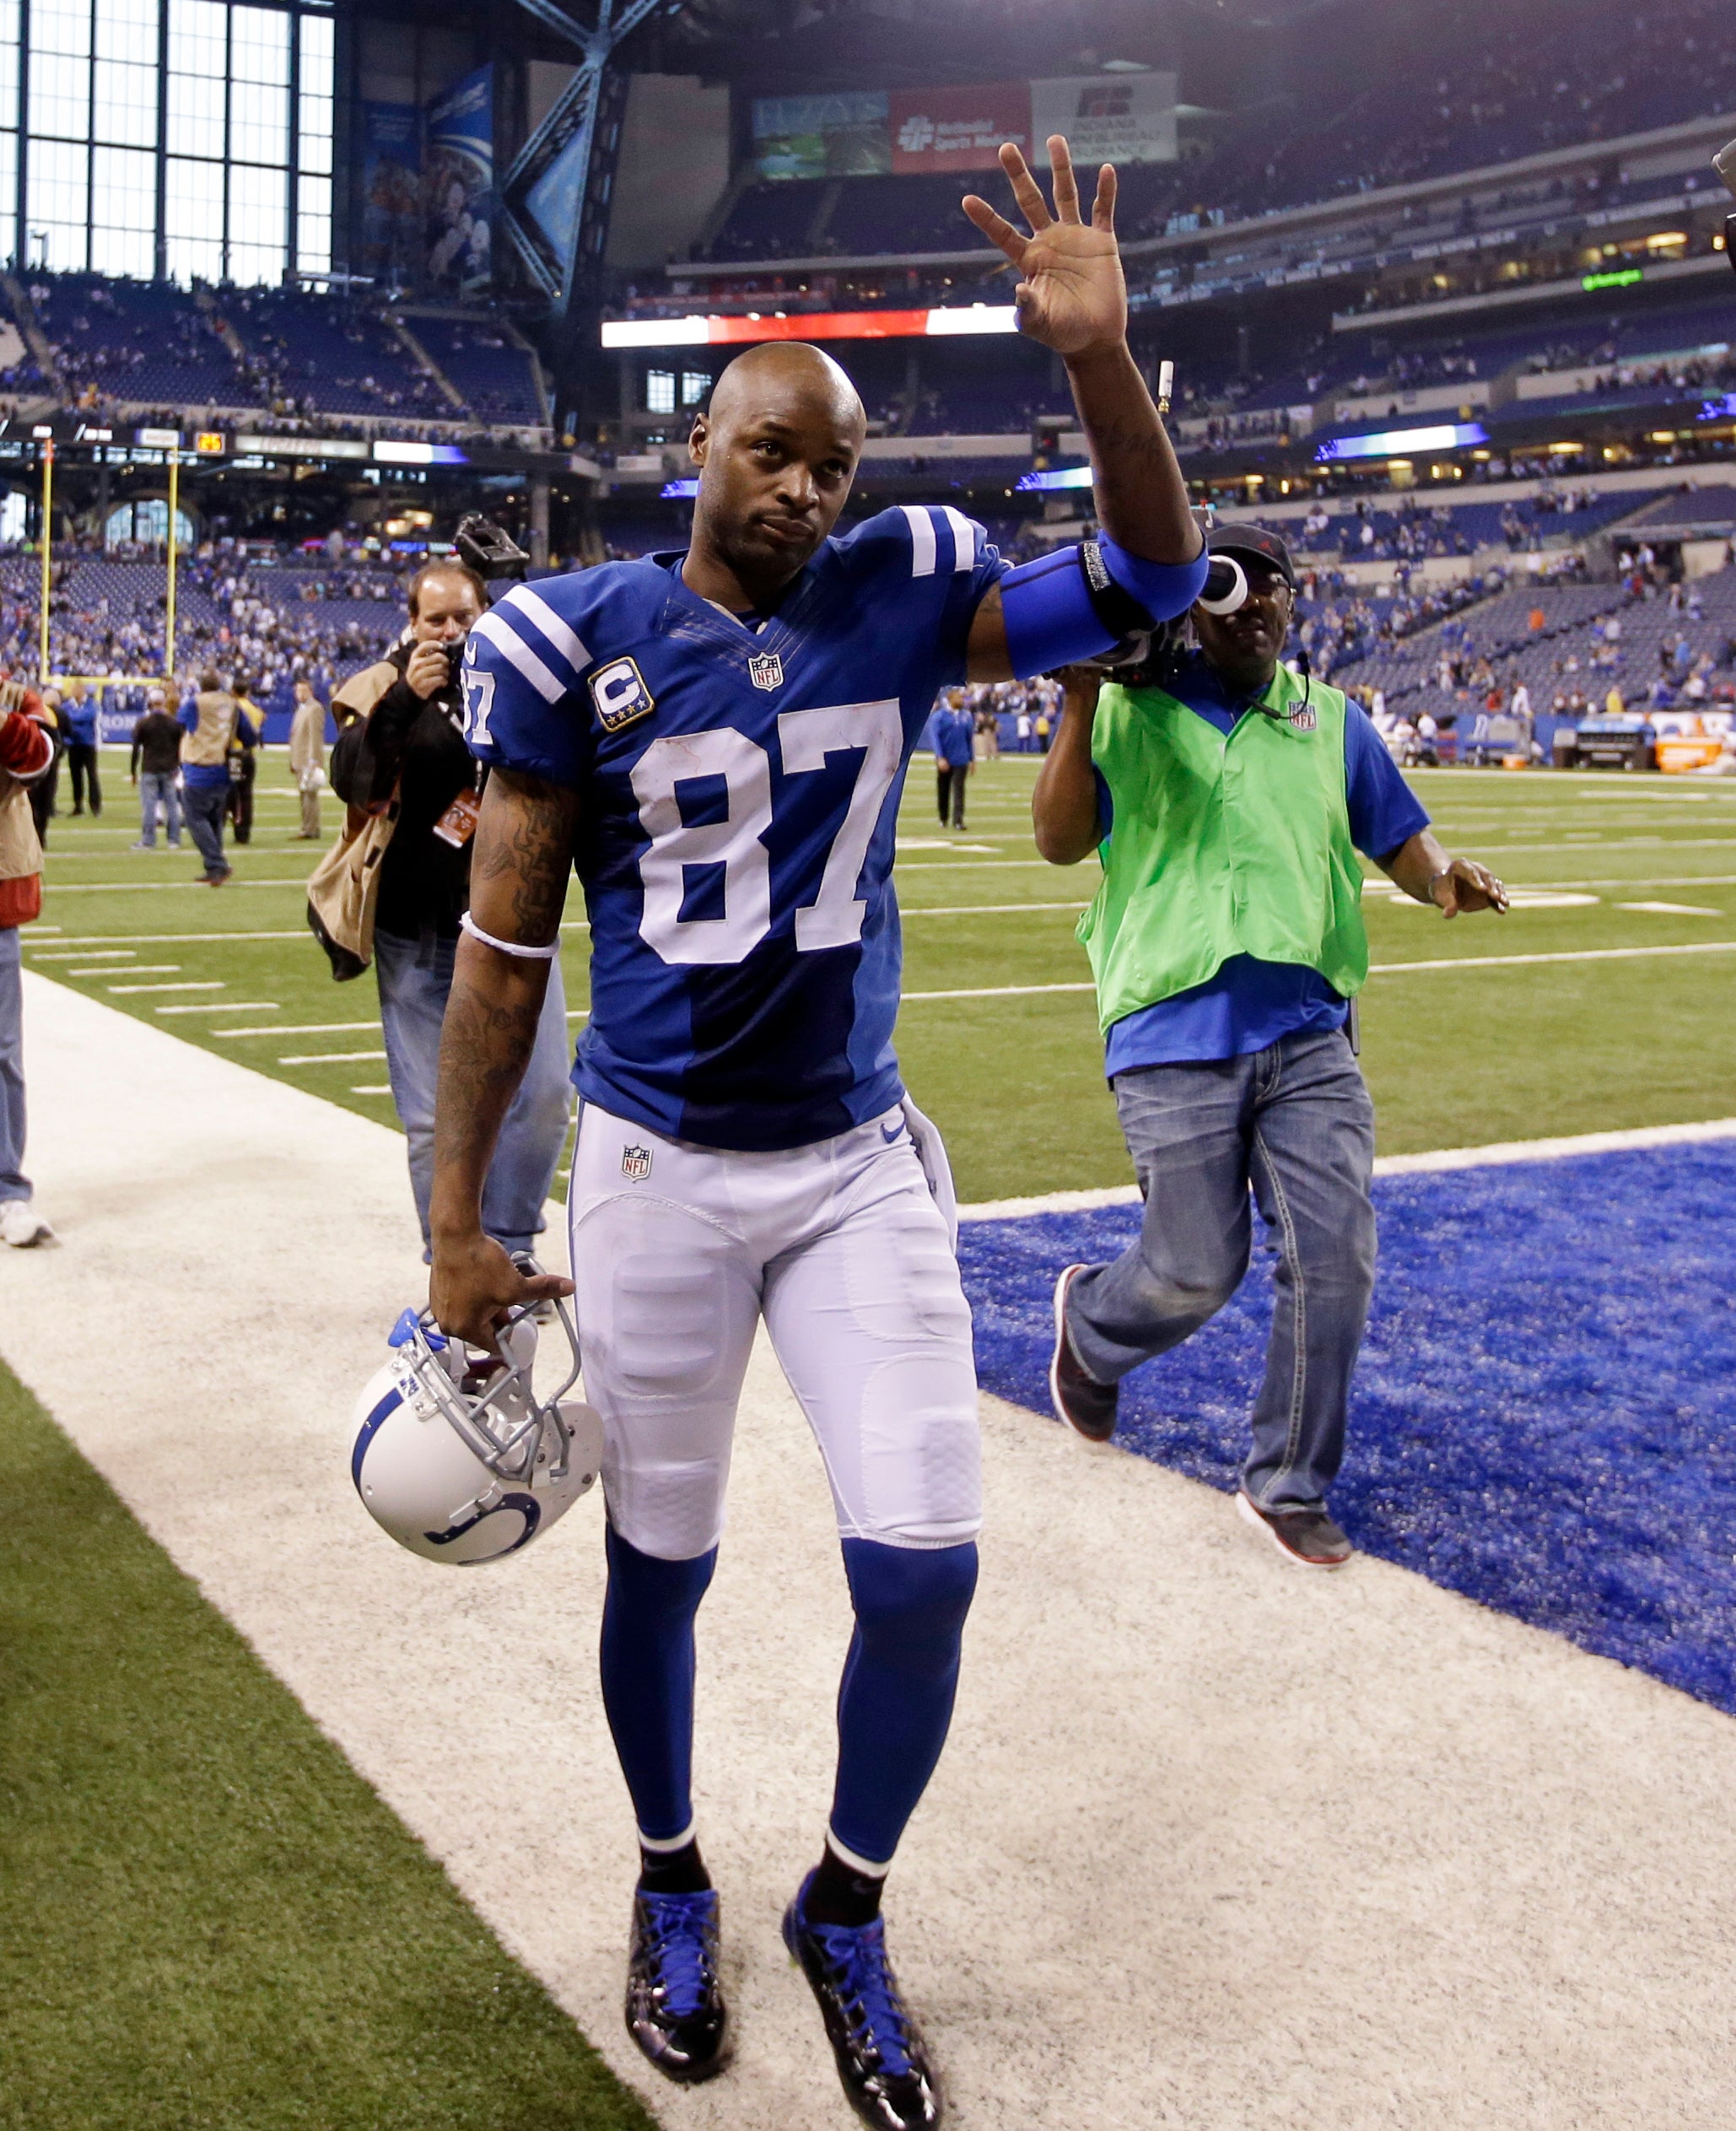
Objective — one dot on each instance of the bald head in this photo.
(787, 374)
(777, 451)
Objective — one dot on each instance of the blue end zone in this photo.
(1544, 1413)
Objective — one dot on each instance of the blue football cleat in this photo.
(881, 2058)
(674, 2005)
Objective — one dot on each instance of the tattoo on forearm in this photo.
(485, 1047)
(528, 849)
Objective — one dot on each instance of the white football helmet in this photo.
(454, 1454)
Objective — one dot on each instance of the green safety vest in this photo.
(1222, 845)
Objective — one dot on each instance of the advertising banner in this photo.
(1107, 118)
(392, 190)
(458, 184)
(841, 135)
(958, 129)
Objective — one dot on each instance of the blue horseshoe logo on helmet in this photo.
(528, 1508)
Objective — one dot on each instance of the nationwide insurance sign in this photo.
(1109, 118)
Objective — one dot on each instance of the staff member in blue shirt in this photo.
(954, 735)
(78, 719)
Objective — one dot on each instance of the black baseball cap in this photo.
(1253, 543)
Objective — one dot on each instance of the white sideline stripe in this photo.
(922, 539)
(989, 910)
(190, 939)
(541, 616)
(209, 984)
(512, 648)
(331, 1058)
(158, 887)
(303, 1028)
(371, 1089)
(225, 1006)
(86, 954)
(1194, 1677)
(1578, 954)
(1000, 991)
(1496, 1153)
(107, 968)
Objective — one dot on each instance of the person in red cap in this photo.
(26, 754)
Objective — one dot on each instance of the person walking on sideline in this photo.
(307, 756)
(402, 735)
(155, 767)
(1227, 801)
(26, 754)
(955, 736)
(208, 722)
(78, 719)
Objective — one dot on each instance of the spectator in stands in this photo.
(78, 720)
(400, 742)
(26, 754)
(208, 722)
(1227, 942)
(307, 756)
(155, 769)
(955, 733)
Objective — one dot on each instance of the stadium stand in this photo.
(143, 343)
(496, 377)
(308, 353)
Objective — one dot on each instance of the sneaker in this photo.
(674, 2006)
(881, 2059)
(141, 847)
(1306, 1536)
(1079, 1399)
(22, 1225)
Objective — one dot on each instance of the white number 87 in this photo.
(478, 703)
(805, 738)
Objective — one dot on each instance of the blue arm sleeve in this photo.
(1052, 620)
(1384, 812)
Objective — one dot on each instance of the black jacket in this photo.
(418, 747)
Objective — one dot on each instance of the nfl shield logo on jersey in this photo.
(636, 1162)
(1303, 717)
(765, 669)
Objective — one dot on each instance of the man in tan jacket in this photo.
(307, 756)
(26, 752)
(208, 721)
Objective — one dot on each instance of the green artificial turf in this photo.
(207, 1918)
(1455, 1058)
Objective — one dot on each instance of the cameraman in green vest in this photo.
(1227, 801)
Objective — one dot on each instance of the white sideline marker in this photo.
(297, 1029)
(331, 1058)
(211, 984)
(1494, 1156)
(225, 1006)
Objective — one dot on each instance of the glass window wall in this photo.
(128, 102)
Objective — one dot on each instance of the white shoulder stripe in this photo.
(922, 539)
(541, 616)
(964, 538)
(513, 649)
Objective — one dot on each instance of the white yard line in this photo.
(209, 984)
(226, 1006)
(1527, 1845)
(1577, 954)
(304, 1028)
(331, 1058)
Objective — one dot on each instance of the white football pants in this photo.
(679, 1250)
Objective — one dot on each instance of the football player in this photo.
(718, 739)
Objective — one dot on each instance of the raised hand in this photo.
(1072, 296)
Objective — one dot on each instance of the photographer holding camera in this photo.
(401, 756)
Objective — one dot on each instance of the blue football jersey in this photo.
(739, 792)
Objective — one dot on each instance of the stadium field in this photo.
(249, 1881)
(1604, 995)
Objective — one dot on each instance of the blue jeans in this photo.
(14, 1183)
(205, 807)
(415, 976)
(157, 794)
(1296, 1123)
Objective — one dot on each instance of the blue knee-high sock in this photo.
(895, 1703)
(647, 1661)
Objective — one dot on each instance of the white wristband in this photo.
(508, 946)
